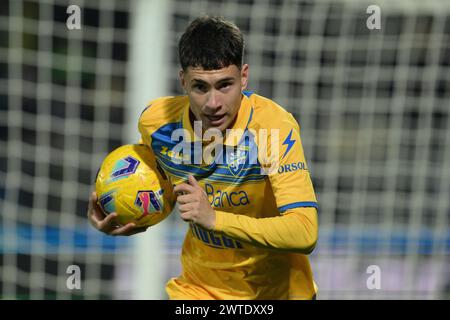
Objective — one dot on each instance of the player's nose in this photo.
(213, 104)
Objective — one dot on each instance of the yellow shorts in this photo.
(180, 289)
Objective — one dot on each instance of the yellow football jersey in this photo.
(258, 171)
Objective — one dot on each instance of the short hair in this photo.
(211, 43)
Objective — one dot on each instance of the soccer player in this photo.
(251, 226)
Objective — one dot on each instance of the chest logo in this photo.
(236, 159)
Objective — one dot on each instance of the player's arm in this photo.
(296, 229)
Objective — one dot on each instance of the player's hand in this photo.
(108, 224)
(194, 205)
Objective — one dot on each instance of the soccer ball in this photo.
(131, 184)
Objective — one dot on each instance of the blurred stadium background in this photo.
(373, 105)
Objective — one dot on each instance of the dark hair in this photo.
(211, 43)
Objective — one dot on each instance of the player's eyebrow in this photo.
(198, 81)
(218, 82)
(225, 80)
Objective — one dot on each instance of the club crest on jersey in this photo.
(236, 159)
(148, 201)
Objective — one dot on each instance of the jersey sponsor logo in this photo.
(220, 199)
(291, 167)
(214, 240)
(177, 157)
(289, 142)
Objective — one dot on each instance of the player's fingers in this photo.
(183, 188)
(193, 182)
(185, 207)
(92, 200)
(136, 230)
(123, 230)
(94, 211)
(110, 218)
(186, 198)
(109, 223)
(90, 203)
(186, 216)
(94, 216)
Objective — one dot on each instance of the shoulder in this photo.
(269, 114)
(163, 110)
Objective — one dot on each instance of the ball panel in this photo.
(107, 202)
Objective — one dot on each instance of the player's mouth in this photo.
(216, 120)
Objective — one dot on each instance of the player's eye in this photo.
(199, 87)
(225, 85)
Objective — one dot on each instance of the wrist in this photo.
(213, 220)
(218, 225)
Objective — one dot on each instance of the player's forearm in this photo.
(295, 231)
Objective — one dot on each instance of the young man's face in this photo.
(215, 95)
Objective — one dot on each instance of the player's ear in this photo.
(244, 76)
